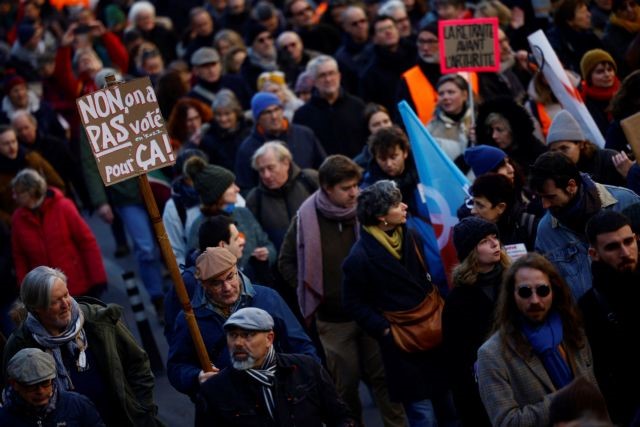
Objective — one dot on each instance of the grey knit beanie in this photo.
(564, 128)
(210, 181)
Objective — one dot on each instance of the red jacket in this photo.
(57, 236)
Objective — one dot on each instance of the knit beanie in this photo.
(210, 181)
(252, 30)
(564, 128)
(468, 233)
(483, 158)
(262, 101)
(12, 81)
(591, 59)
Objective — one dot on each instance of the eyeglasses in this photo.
(35, 387)
(327, 74)
(264, 39)
(271, 111)
(358, 22)
(526, 291)
(427, 41)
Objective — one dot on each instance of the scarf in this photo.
(73, 337)
(309, 248)
(262, 62)
(266, 377)
(392, 243)
(587, 203)
(545, 340)
(600, 93)
(630, 26)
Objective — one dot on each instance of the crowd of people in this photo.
(296, 214)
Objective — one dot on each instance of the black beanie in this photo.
(468, 233)
(210, 181)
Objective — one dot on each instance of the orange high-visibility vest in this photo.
(545, 120)
(423, 94)
(60, 4)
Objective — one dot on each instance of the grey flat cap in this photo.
(250, 319)
(204, 55)
(31, 366)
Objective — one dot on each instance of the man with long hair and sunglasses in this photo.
(537, 347)
(611, 315)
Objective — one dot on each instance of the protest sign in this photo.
(631, 128)
(562, 87)
(125, 130)
(469, 45)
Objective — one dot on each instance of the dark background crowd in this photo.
(293, 164)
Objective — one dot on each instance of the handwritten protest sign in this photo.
(125, 130)
(469, 45)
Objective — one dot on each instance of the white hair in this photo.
(391, 6)
(138, 7)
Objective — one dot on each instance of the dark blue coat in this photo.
(374, 282)
(304, 396)
(72, 410)
(305, 148)
(182, 364)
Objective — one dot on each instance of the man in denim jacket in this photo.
(572, 198)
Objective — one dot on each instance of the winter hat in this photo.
(26, 31)
(564, 128)
(210, 181)
(12, 81)
(252, 30)
(483, 158)
(250, 319)
(591, 59)
(205, 55)
(114, 16)
(468, 233)
(213, 262)
(31, 366)
(262, 101)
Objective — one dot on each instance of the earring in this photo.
(384, 221)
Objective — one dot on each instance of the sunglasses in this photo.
(526, 291)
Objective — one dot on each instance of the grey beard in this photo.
(430, 59)
(505, 65)
(243, 365)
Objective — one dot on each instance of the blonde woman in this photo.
(468, 312)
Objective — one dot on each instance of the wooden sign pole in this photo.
(172, 265)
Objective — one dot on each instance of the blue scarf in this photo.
(73, 338)
(545, 339)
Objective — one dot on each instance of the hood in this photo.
(519, 120)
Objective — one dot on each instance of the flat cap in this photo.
(250, 319)
(31, 366)
(205, 55)
(213, 262)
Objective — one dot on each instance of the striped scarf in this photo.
(266, 376)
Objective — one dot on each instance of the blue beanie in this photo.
(262, 101)
(483, 158)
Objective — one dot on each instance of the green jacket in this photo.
(123, 363)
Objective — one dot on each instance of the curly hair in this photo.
(376, 200)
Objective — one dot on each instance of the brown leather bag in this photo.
(419, 328)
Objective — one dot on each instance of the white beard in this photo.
(435, 59)
(243, 365)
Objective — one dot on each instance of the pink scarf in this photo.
(309, 249)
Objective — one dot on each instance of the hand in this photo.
(69, 36)
(204, 376)
(261, 254)
(522, 59)
(105, 213)
(97, 28)
(622, 163)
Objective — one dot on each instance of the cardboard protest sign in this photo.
(469, 45)
(125, 130)
(562, 87)
(631, 128)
